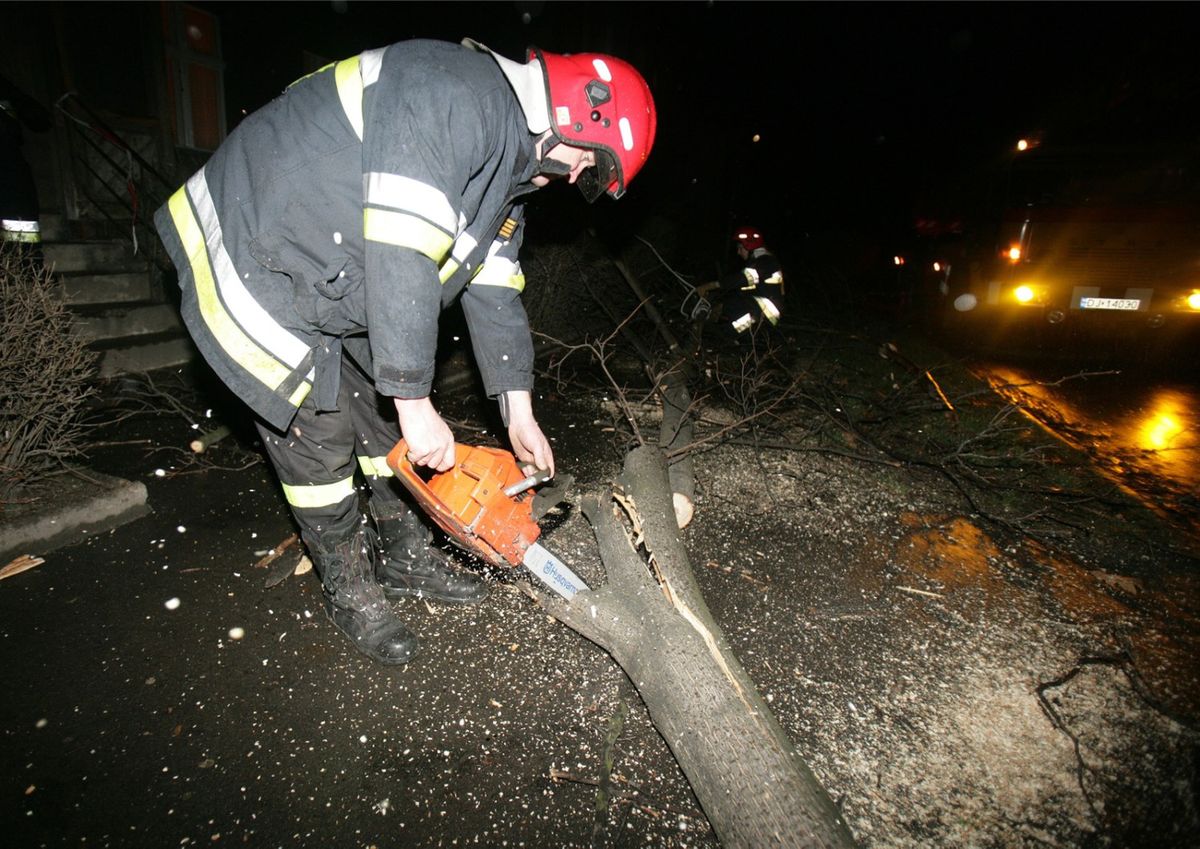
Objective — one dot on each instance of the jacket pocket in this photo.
(320, 285)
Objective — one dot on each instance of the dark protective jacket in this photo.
(348, 212)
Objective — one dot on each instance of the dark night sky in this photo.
(859, 105)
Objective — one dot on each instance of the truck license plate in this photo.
(1109, 303)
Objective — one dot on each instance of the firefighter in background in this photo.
(18, 194)
(319, 244)
(752, 294)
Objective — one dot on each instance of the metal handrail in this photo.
(96, 135)
(100, 126)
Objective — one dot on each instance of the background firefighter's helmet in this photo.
(601, 103)
(748, 238)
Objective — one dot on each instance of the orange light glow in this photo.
(1163, 424)
(1159, 431)
(1014, 253)
(937, 266)
(898, 260)
(1023, 145)
(1024, 294)
(1193, 300)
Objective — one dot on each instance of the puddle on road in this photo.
(951, 552)
(1143, 437)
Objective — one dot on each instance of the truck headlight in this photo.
(1193, 301)
(1024, 294)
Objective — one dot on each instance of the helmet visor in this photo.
(595, 181)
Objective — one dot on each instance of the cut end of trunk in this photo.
(683, 509)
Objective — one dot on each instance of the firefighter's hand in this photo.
(430, 442)
(529, 444)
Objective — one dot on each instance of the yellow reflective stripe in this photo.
(464, 245)
(323, 495)
(406, 231)
(249, 314)
(499, 271)
(447, 270)
(769, 309)
(244, 351)
(319, 70)
(350, 92)
(376, 467)
(405, 194)
(300, 394)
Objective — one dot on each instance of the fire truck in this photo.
(1073, 236)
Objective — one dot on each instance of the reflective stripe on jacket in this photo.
(352, 209)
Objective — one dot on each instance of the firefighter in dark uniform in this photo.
(18, 194)
(752, 294)
(318, 245)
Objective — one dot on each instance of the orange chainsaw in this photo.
(485, 504)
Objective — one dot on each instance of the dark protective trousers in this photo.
(323, 456)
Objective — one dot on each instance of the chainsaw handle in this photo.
(398, 459)
(468, 501)
(534, 478)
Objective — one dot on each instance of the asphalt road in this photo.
(1141, 427)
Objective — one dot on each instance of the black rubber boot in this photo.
(408, 566)
(355, 603)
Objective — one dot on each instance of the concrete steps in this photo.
(163, 350)
(70, 257)
(128, 321)
(119, 308)
(122, 287)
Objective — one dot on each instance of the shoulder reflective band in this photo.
(322, 495)
(751, 275)
(350, 92)
(743, 324)
(352, 76)
(228, 309)
(375, 467)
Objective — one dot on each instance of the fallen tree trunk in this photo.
(649, 615)
(675, 433)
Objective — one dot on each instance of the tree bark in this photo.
(649, 615)
(674, 433)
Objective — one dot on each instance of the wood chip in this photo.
(915, 591)
(19, 565)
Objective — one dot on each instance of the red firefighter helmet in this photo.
(601, 103)
(748, 238)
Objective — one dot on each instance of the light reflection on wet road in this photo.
(1142, 431)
